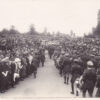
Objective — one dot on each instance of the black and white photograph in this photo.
(49, 49)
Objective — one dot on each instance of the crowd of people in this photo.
(19, 59)
(78, 60)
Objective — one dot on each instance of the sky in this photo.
(56, 15)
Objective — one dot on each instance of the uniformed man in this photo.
(76, 72)
(66, 68)
(51, 51)
(89, 79)
(98, 82)
(60, 64)
(42, 56)
(35, 65)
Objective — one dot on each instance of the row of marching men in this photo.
(16, 68)
(83, 77)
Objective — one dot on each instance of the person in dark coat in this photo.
(34, 65)
(13, 67)
(0, 75)
(28, 66)
(89, 79)
(42, 59)
(42, 56)
(51, 51)
(2, 78)
(66, 68)
(3, 74)
(76, 72)
(98, 83)
(7, 77)
(60, 63)
(24, 63)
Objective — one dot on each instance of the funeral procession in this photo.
(57, 56)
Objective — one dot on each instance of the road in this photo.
(48, 84)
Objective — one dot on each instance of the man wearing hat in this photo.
(66, 67)
(61, 60)
(76, 72)
(89, 79)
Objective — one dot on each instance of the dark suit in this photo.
(76, 72)
(13, 67)
(89, 79)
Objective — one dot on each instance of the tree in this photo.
(58, 33)
(99, 16)
(96, 31)
(72, 33)
(13, 30)
(4, 33)
(45, 31)
(32, 30)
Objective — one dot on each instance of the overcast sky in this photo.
(57, 15)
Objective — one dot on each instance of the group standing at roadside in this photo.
(81, 71)
(15, 66)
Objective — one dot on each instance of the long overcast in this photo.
(57, 15)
